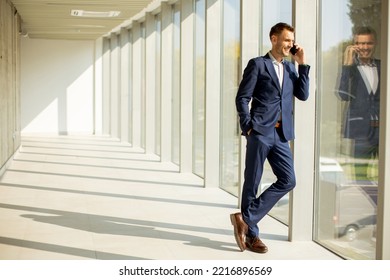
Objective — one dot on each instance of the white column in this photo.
(301, 198)
(187, 85)
(166, 81)
(213, 92)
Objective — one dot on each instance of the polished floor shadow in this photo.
(90, 197)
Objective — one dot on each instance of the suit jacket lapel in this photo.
(271, 70)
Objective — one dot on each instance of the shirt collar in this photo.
(371, 63)
(274, 61)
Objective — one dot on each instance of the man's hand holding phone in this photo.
(294, 49)
(298, 54)
(349, 54)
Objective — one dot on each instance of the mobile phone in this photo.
(293, 50)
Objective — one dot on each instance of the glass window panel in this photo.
(176, 86)
(158, 84)
(230, 80)
(130, 83)
(348, 132)
(199, 88)
(143, 88)
(273, 11)
(281, 12)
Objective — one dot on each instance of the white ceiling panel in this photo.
(52, 19)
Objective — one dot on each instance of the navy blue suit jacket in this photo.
(260, 85)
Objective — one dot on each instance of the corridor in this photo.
(93, 197)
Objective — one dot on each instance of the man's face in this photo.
(282, 43)
(365, 45)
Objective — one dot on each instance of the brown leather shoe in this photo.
(240, 230)
(256, 245)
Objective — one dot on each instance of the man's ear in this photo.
(273, 39)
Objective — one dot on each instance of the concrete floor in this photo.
(88, 197)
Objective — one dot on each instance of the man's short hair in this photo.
(364, 30)
(278, 28)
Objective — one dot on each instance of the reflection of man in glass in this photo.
(359, 84)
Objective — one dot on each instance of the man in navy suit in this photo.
(270, 83)
(359, 86)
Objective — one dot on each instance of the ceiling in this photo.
(52, 19)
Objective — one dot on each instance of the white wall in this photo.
(57, 86)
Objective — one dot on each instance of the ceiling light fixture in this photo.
(82, 13)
